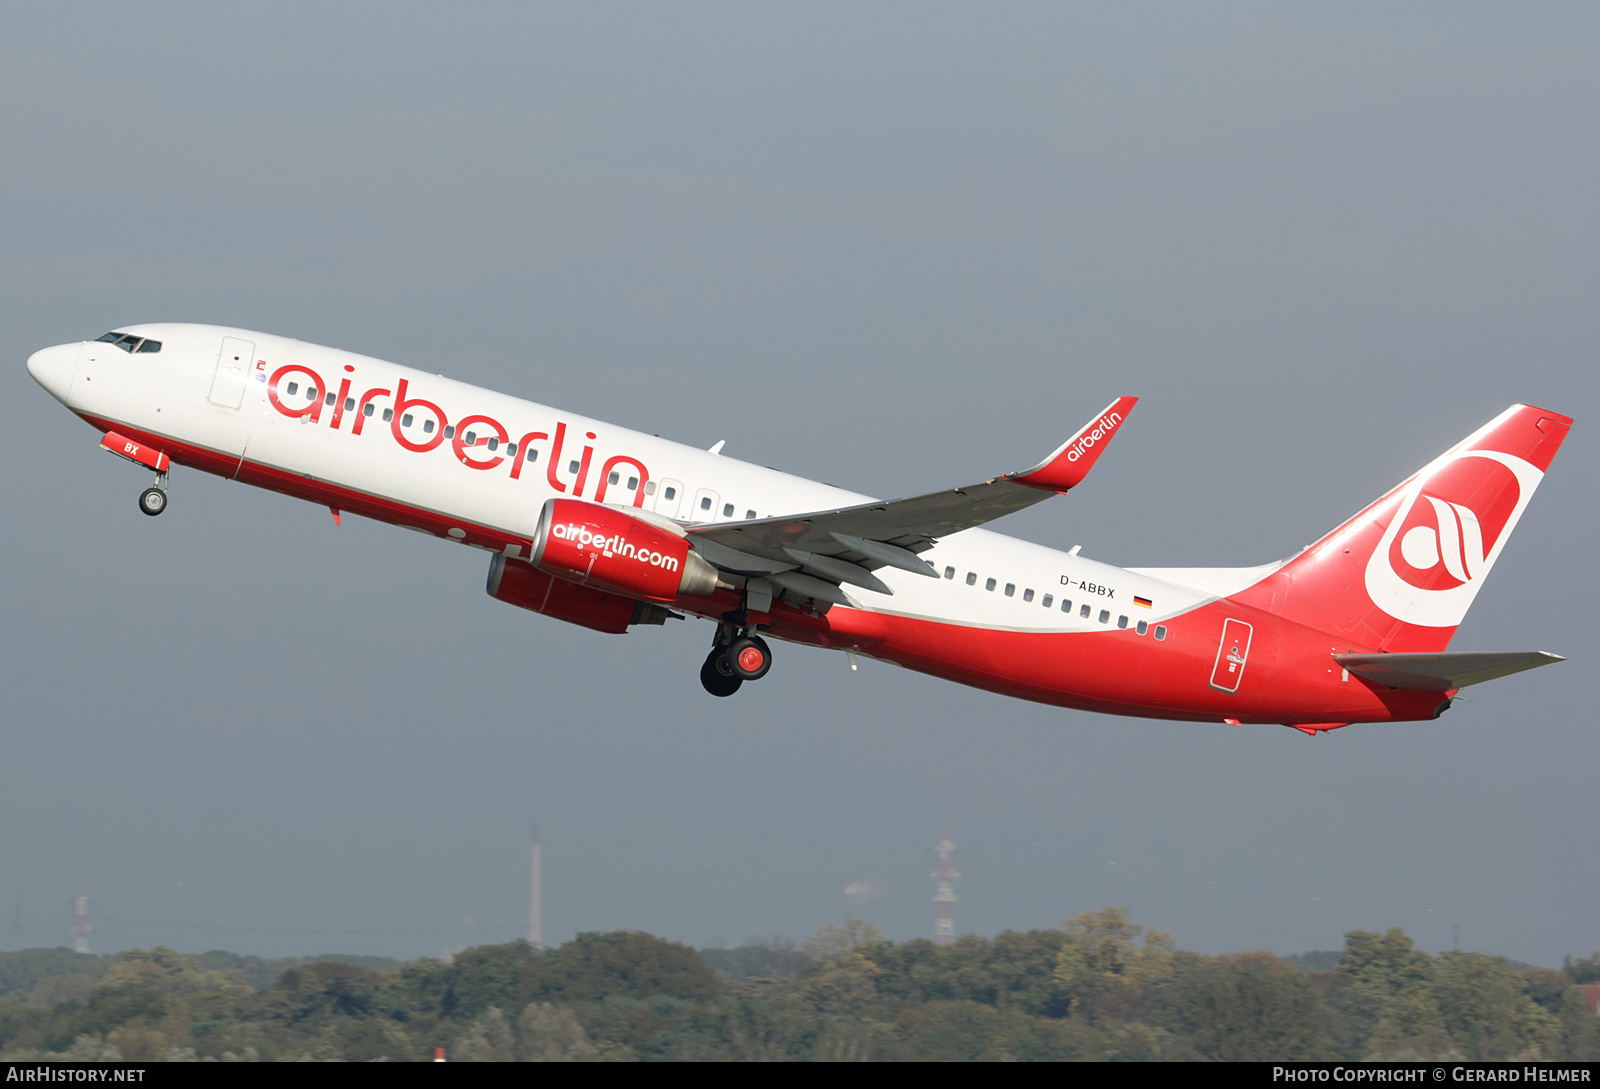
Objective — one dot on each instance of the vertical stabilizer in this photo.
(1400, 575)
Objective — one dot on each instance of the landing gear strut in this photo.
(736, 656)
(153, 500)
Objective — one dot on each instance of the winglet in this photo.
(1070, 463)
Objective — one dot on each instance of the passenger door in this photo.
(232, 373)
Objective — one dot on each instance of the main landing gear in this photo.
(736, 656)
(153, 500)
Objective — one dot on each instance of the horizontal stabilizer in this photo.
(1442, 672)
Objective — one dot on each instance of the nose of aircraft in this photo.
(52, 368)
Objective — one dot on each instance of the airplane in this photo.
(612, 529)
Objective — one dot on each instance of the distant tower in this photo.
(944, 921)
(535, 923)
(80, 926)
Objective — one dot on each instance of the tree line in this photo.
(1100, 987)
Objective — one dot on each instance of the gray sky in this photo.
(895, 247)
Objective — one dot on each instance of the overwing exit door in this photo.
(1232, 654)
(232, 374)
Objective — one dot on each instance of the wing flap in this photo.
(1443, 672)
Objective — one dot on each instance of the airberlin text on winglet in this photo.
(1102, 429)
(1071, 462)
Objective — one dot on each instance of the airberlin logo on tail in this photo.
(1452, 540)
(1101, 430)
(1451, 523)
(614, 545)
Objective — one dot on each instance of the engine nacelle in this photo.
(607, 548)
(515, 583)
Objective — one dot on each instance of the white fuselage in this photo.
(492, 498)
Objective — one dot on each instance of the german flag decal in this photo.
(1142, 602)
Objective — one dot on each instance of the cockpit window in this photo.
(130, 343)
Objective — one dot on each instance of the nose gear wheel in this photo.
(153, 500)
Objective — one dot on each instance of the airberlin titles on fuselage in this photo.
(406, 412)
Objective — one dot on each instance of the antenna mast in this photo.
(535, 923)
(80, 926)
(944, 920)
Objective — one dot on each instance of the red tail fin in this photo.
(1400, 575)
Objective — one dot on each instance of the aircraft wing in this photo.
(811, 555)
(1443, 672)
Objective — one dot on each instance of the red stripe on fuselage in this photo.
(1290, 674)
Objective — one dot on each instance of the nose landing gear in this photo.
(153, 500)
(736, 656)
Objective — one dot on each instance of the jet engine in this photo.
(611, 549)
(515, 583)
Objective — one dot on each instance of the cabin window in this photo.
(405, 421)
(1027, 595)
(294, 388)
(1122, 622)
(1084, 612)
(349, 404)
(470, 439)
(1105, 616)
(511, 449)
(705, 502)
(1161, 631)
(1066, 606)
(972, 578)
(1011, 589)
(533, 455)
(649, 487)
(749, 514)
(633, 483)
(450, 431)
(572, 466)
(949, 572)
(388, 414)
(988, 584)
(1142, 627)
(311, 393)
(727, 510)
(614, 478)
(329, 399)
(494, 444)
(427, 427)
(670, 493)
(1049, 599)
(368, 409)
